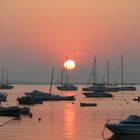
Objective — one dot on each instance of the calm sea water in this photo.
(63, 120)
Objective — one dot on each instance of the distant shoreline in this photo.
(43, 83)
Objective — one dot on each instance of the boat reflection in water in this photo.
(124, 137)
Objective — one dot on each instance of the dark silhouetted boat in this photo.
(28, 100)
(10, 111)
(131, 125)
(39, 95)
(137, 99)
(67, 87)
(99, 86)
(25, 110)
(97, 94)
(36, 94)
(43, 96)
(88, 104)
(124, 137)
(5, 85)
(3, 96)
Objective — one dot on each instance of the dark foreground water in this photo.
(63, 120)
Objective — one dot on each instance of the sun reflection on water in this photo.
(69, 121)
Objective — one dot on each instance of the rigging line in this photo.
(116, 77)
(104, 75)
(60, 77)
(7, 122)
(90, 77)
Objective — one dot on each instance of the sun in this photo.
(69, 64)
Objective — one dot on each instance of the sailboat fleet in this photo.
(103, 88)
(95, 90)
(5, 85)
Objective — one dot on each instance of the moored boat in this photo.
(88, 104)
(6, 86)
(25, 110)
(127, 88)
(60, 98)
(39, 95)
(124, 137)
(137, 99)
(97, 94)
(131, 125)
(28, 100)
(123, 86)
(67, 87)
(10, 111)
(43, 96)
(3, 96)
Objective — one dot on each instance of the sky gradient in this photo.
(36, 35)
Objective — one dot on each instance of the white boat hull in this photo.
(124, 128)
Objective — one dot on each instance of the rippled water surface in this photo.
(66, 120)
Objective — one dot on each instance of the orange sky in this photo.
(37, 34)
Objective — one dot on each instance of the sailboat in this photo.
(123, 86)
(95, 86)
(109, 87)
(36, 94)
(7, 84)
(96, 90)
(67, 86)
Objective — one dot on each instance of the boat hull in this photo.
(6, 87)
(3, 96)
(47, 96)
(66, 88)
(98, 94)
(88, 104)
(60, 98)
(10, 111)
(132, 129)
(127, 88)
(101, 89)
(28, 101)
(3, 99)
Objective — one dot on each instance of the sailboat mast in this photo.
(62, 72)
(122, 72)
(107, 72)
(7, 76)
(66, 75)
(51, 80)
(2, 75)
(95, 69)
(93, 74)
